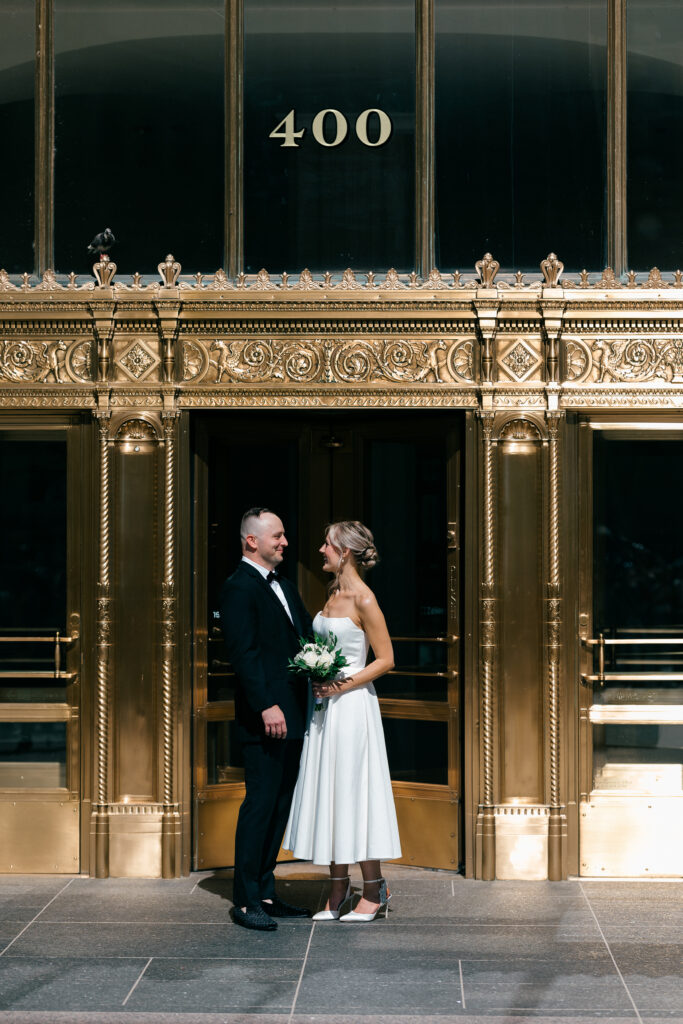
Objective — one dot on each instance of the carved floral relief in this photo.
(626, 360)
(51, 362)
(322, 360)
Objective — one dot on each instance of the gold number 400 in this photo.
(286, 129)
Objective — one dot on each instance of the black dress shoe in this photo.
(253, 917)
(278, 908)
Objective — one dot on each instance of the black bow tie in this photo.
(272, 577)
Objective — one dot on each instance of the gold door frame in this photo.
(135, 358)
(27, 813)
(430, 815)
(608, 823)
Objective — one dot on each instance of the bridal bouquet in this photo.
(320, 660)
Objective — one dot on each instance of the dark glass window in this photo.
(16, 130)
(311, 203)
(520, 132)
(655, 138)
(139, 132)
(33, 529)
(417, 751)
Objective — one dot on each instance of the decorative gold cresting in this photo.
(170, 819)
(553, 639)
(169, 271)
(551, 268)
(487, 268)
(104, 641)
(487, 641)
(104, 271)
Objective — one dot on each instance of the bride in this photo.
(343, 807)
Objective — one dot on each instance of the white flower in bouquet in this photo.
(320, 660)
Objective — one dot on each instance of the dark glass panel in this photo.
(139, 132)
(32, 755)
(654, 136)
(17, 47)
(638, 566)
(265, 477)
(406, 484)
(638, 545)
(33, 528)
(318, 206)
(412, 687)
(638, 758)
(418, 751)
(223, 753)
(520, 132)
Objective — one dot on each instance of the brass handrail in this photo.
(426, 639)
(57, 639)
(24, 674)
(614, 642)
(603, 677)
(635, 677)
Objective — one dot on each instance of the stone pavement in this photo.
(452, 951)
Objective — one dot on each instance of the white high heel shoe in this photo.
(384, 896)
(333, 915)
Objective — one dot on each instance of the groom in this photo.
(262, 616)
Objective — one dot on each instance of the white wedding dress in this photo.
(343, 807)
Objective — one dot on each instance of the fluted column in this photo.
(487, 628)
(170, 820)
(104, 602)
(553, 627)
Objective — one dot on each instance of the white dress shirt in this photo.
(274, 584)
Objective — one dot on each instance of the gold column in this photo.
(616, 135)
(234, 145)
(104, 602)
(424, 136)
(557, 821)
(44, 130)
(487, 631)
(170, 825)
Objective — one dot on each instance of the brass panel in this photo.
(522, 842)
(135, 842)
(135, 637)
(632, 836)
(39, 837)
(428, 829)
(216, 822)
(520, 491)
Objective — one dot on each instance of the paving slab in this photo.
(217, 985)
(165, 939)
(576, 987)
(65, 983)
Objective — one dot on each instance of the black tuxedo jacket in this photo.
(259, 640)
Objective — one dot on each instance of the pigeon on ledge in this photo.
(102, 242)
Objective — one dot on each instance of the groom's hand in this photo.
(274, 722)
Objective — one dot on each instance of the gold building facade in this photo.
(512, 436)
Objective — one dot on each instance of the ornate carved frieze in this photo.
(629, 360)
(34, 361)
(326, 361)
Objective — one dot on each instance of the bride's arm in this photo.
(373, 622)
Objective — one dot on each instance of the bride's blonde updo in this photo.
(352, 534)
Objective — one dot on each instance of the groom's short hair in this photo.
(249, 521)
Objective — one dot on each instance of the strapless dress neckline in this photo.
(339, 618)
